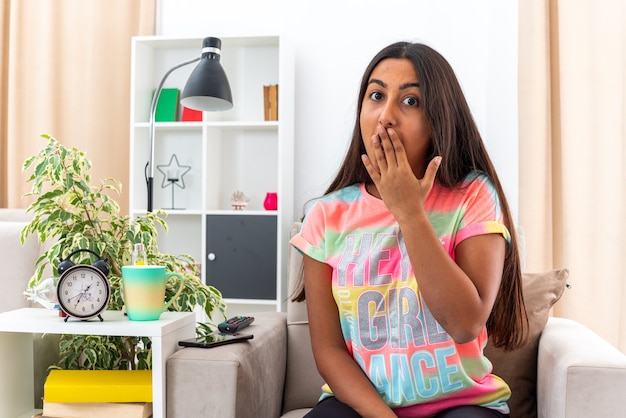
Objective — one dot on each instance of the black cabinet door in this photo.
(241, 255)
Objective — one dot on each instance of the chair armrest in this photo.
(238, 380)
(579, 373)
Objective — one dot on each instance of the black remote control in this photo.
(235, 324)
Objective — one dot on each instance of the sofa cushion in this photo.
(519, 367)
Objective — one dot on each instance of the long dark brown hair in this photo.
(455, 137)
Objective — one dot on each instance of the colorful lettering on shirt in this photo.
(412, 361)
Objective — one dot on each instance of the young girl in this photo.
(410, 257)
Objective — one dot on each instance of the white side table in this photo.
(16, 349)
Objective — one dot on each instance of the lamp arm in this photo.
(155, 100)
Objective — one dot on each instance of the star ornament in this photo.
(173, 173)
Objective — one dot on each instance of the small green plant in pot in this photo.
(70, 213)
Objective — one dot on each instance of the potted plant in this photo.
(70, 213)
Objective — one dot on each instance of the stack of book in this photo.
(98, 393)
(270, 102)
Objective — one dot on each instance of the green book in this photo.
(167, 106)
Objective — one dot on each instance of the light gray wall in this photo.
(333, 42)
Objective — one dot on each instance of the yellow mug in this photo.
(144, 291)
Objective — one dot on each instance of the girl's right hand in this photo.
(393, 176)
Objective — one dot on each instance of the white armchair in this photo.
(579, 373)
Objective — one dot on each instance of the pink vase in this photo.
(271, 201)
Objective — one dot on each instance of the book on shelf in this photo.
(97, 410)
(167, 106)
(270, 102)
(98, 386)
(191, 115)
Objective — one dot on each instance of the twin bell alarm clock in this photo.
(83, 290)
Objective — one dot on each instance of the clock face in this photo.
(83, 291)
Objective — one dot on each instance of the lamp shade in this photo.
(207, 87)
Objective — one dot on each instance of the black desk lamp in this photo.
(207, 89)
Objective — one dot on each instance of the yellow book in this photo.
(97, 410)
(98, 386)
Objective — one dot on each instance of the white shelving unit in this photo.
(230, 151)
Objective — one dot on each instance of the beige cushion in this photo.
(519, 367)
